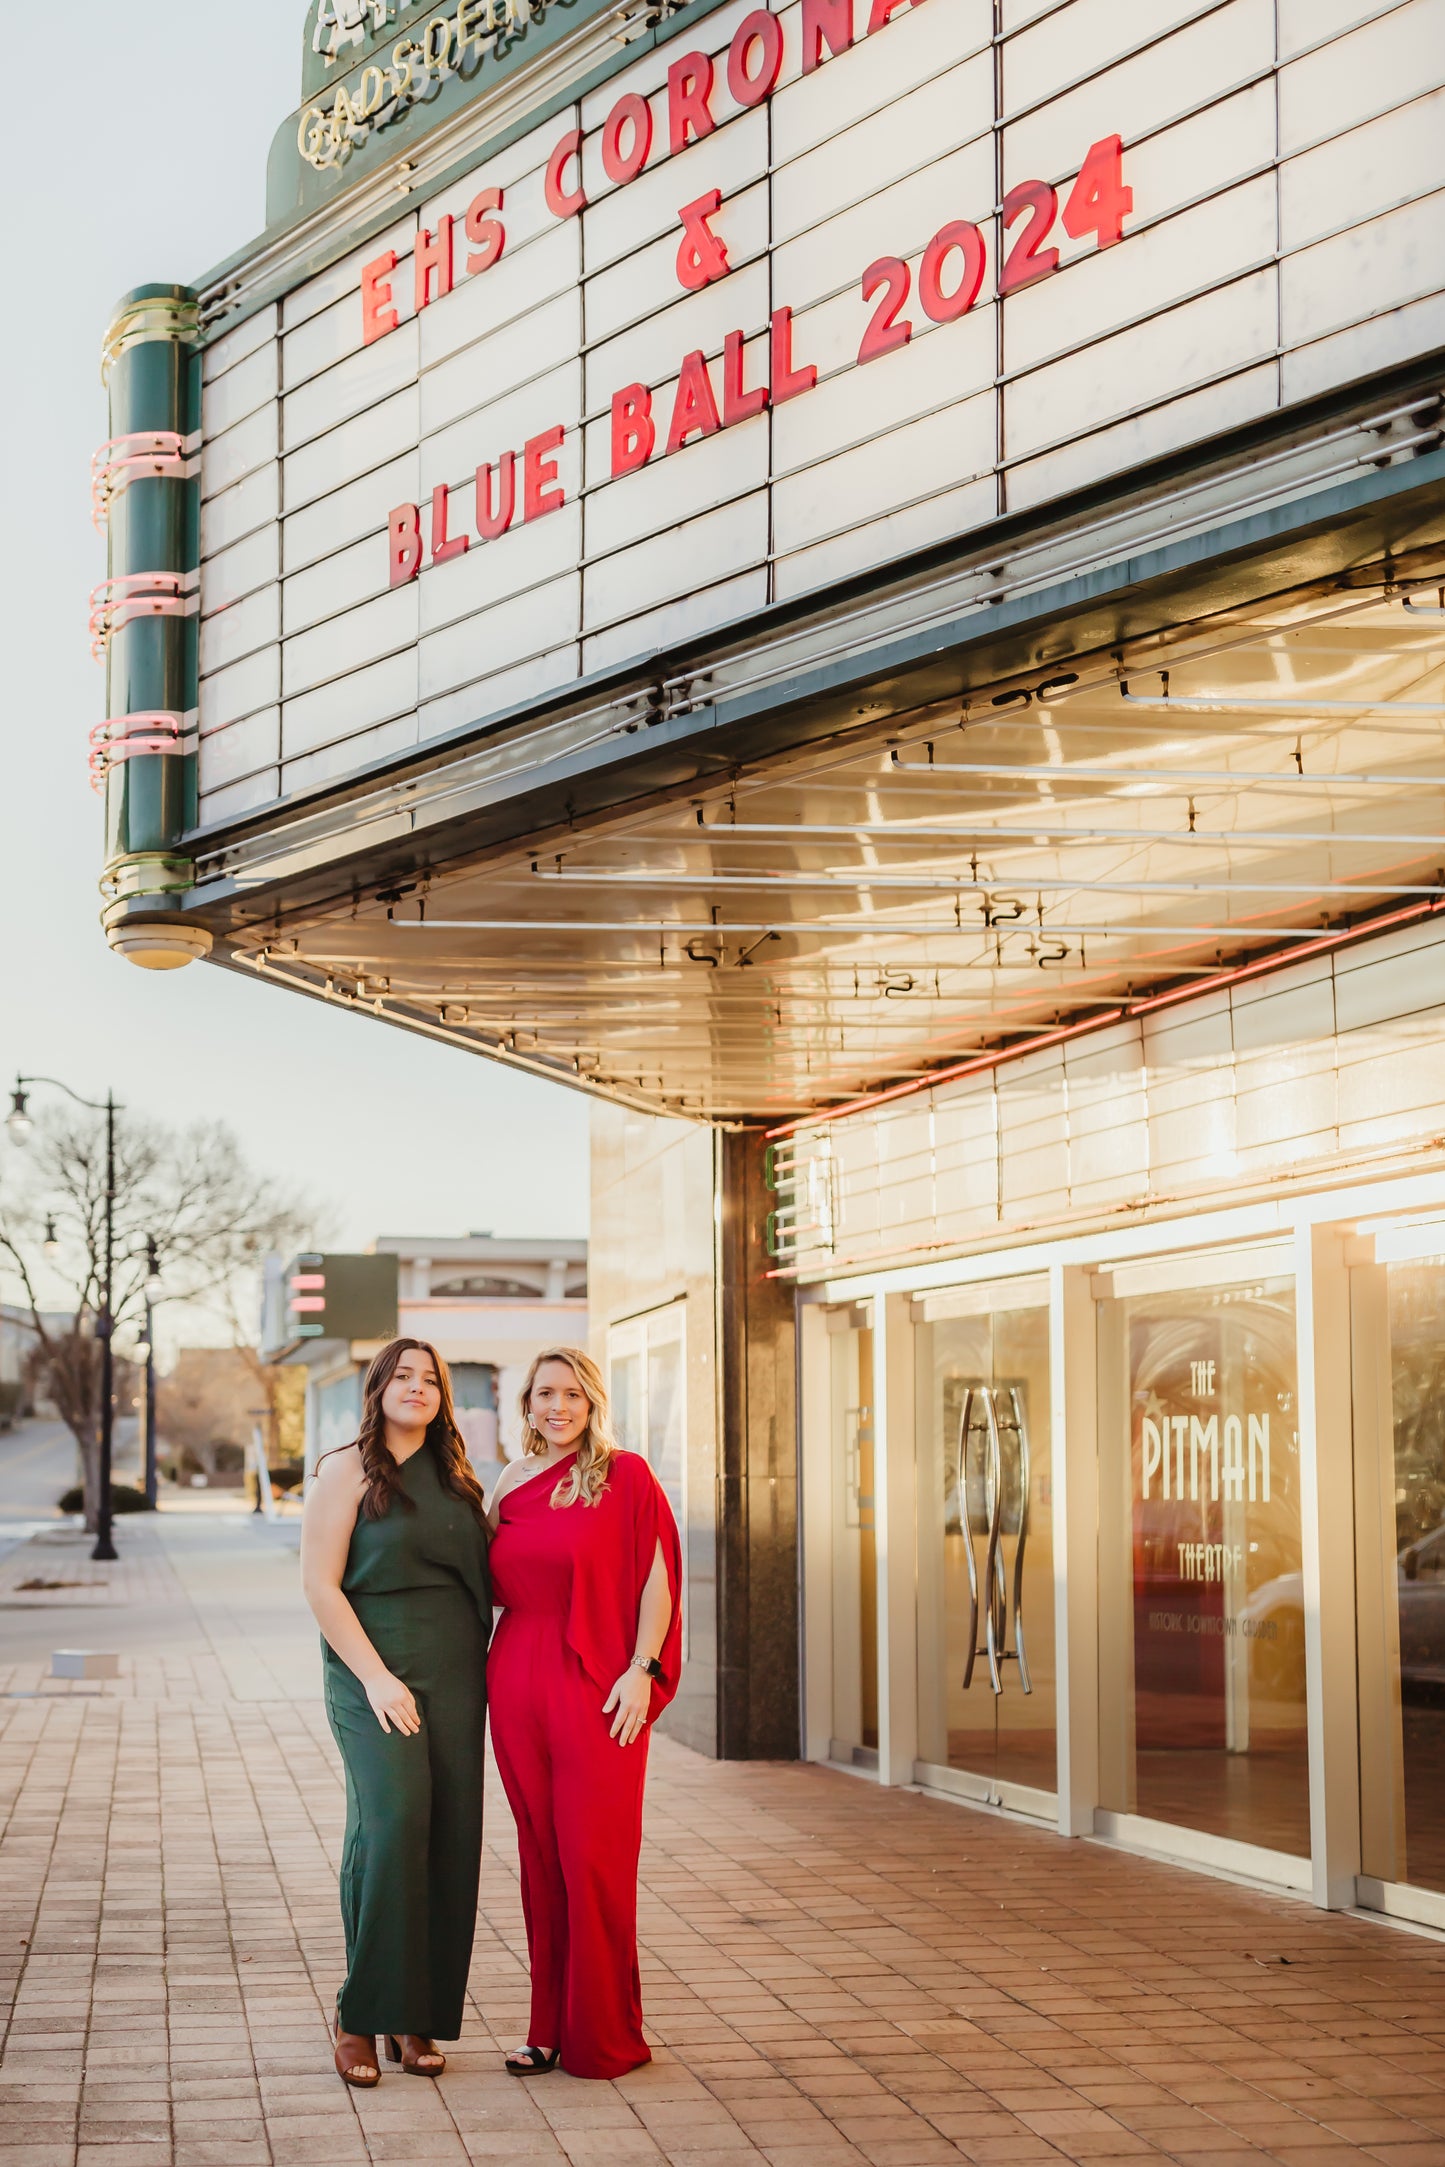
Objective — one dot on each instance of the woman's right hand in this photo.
(393, 1704)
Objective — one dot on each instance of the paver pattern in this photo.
(832, 1973)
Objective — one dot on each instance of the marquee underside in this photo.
(938, 885)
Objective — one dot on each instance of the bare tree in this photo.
(189, 1191)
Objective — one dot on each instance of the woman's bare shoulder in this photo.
(515, 1472)
(340, 1469)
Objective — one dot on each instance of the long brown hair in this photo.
(383, 1475)
(598, 1448)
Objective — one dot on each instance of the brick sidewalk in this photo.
(832, 1974)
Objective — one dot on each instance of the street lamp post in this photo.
(152, 1295)
(20, 1124)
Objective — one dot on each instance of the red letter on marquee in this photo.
(694, 410)
(377, 314)
(404, 541)
(540, 490)
(563, 202)
(483, 231)
(433, 252)
(738, 403)
(619, 165)
(443, 549)
(760, 28)
(633, 434)
(689, 86)
(787, 381)
(702, 255)
(491, 524)
(827, 22)
(882, 9)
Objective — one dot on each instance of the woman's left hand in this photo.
(632, 1698)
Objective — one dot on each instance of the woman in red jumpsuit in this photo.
(587, 1567)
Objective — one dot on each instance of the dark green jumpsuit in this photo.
(418, 1582)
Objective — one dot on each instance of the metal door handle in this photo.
(964, 1429)
(995, 1615)
(995, 1578)
(1025, 1488)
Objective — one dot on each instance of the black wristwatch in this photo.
(649, 1663)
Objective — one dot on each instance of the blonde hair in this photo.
(595, 1454)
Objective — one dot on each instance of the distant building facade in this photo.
(486, 1303)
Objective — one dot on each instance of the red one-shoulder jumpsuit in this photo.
(569, 1580)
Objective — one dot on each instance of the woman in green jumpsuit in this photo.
(394, 1563)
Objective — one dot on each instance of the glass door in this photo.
(1202, 1665)
(855, 1556)
(985, 1549)
(1400, 1485)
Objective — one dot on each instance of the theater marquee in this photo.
(785, 297)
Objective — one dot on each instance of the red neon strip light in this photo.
(1276, 962)
(1232, 977)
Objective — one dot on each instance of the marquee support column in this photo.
(145, 622)
(757, 1483)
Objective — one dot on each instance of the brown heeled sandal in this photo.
(355, 2058)
(412, 2049)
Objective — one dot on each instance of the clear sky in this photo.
(141, 155)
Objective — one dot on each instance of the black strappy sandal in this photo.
(537, 2064)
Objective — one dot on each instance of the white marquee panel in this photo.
(1083, 40)
(528, 625)
(1372, 344)
(453, 454)
(490, 695)
(234, 346)
(1307, 23)
(1359, 76)
(377, 694)
(699, 550)
(244, 749)
(250, 384)
(249, 445)
(1155, 360)
(241, 690)
(363, 507)
(525, 276)
(344, 643)
(240, 570)
(240, 510)
(345, 454)
(914, 526)
(337, 583)
(1211, 57)
(233, 633)
(1357, 176)
(661, 495)
(714, 606)
(492, 572)
(1328, 286)
(354, 386)
(314, 769)
(1241, 398)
